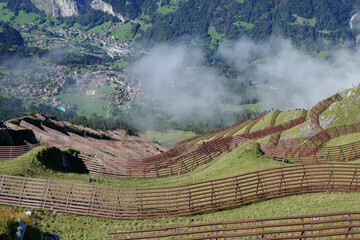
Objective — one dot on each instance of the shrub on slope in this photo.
(43, 159)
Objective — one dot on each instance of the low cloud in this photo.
(287, 78)
(181, 84)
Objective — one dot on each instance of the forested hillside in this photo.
(10, 36)
(305, 22)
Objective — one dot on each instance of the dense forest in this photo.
(25, 5)
(308, 23)
(9, 36)
(305, 22)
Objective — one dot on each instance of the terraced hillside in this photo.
(283, 175)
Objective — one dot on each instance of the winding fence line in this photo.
(182, 200)
(320, 107)
(320, 138)
(276, 113)
(327, 225)
(254, 121)
(178, 160)
(312, 151)
(275, 129)
(227, 131)
(340, 153)
(161, 167)
(11, 152)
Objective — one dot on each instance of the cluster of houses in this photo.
(49, 82)
(29, 85)
(61, 36)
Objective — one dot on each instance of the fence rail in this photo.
(161, 167)
(182, 200)
(11, 152)
(328, 225)
(320, 107)
(312, 151)
(274, 129)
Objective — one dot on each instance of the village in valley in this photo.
(60, 86)
(48, 86)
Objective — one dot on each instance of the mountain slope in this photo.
(307, 22)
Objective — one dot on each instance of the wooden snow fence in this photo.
(117, 203)
(163, 165)
(11, 152)
(320, 107)
(325, 226)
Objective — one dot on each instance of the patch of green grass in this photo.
(305, 21)
(123, 32)
(108, 90)
(77, 26)
(286, 116)
(241, 131)
(215, 36)
(346, 111)
(349, 138)
(168, 138)
(120, 64)
(264, 140)
(328, 32)
(97, 29)
(244, 24)
(87, 104)
(297, 131)
(166, 9)
(24, 18)
(5, 14)
(263, 122)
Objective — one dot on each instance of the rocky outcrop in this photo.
(105, 7)
(67, 8)
(55, 8)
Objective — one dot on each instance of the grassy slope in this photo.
(244, 159)
(87, 104)
(168, 138)
(40, 161)
(241, 160)
(346, 111)
(286, 116)
(5, 14)
(263, 122)
(349, 138)
(97, 29)
(25, 18)
(123, 32)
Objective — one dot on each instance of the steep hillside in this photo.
(277, 164)
(88, 141)
(307, 24)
